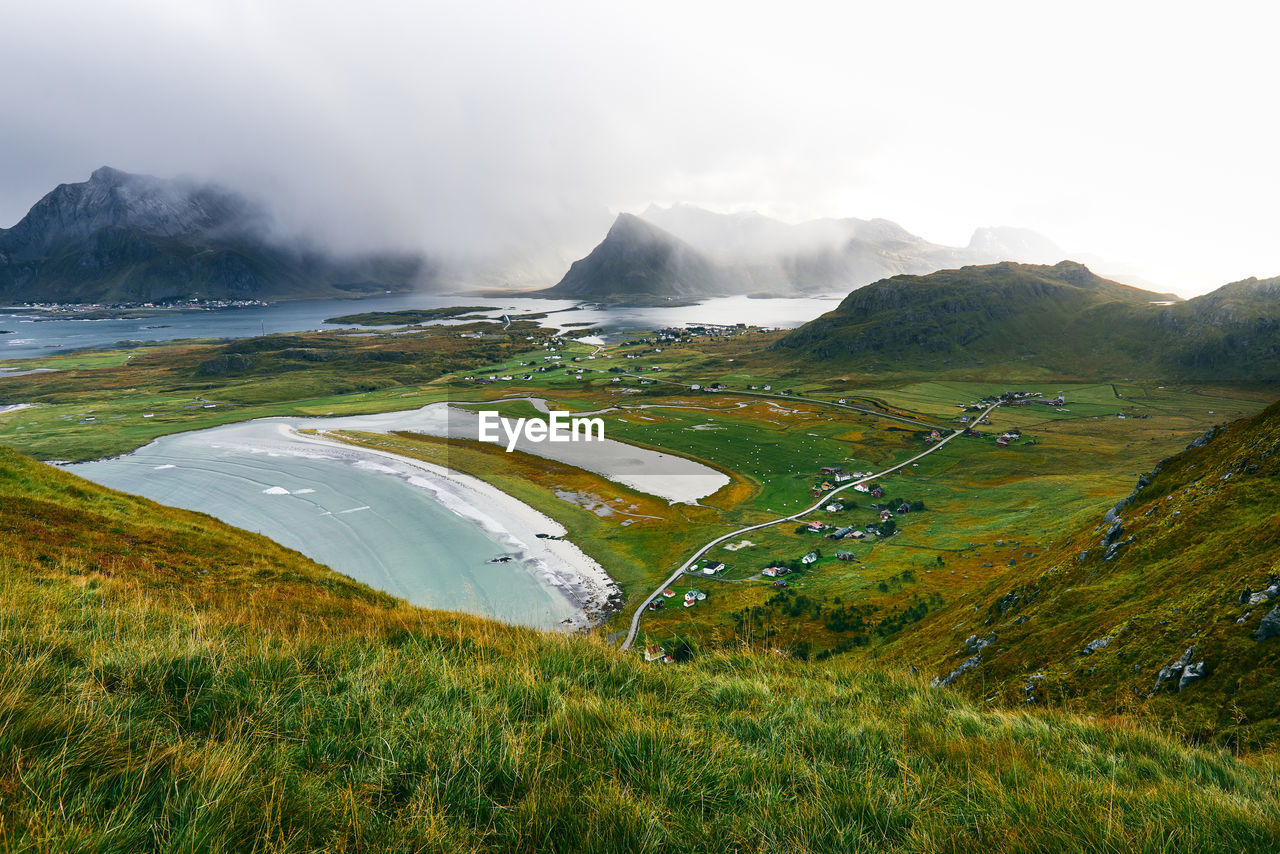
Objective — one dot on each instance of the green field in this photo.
(987, 508)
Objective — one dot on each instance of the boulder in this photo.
(1094, 645)
(1270, 626)
(1182, 671)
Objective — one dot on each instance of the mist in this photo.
(510, 129)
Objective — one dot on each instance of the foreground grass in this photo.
(147, 705)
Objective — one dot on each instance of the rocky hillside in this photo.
(638, 261)
(1169, 605)
(120, 237)
(1062, 319)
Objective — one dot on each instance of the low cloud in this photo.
(491, 127)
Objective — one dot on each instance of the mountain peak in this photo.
(109, 176)
(1007, 243)
(121, 236)
(638, 260)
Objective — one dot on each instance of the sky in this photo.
(1141, 133)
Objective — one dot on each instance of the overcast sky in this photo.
(1145, 133)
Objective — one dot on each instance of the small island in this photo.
(408, 316)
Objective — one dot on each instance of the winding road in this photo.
(639, 613)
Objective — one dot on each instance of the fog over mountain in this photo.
(125, 238)
(516, 132)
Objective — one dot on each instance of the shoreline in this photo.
(559, 564)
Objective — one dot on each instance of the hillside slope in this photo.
(120, 237)
(1061, 319)
(172, 684)
(1184, 572)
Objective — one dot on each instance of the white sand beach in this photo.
(558, 562)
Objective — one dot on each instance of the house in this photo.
(774, 571)
(815, 527)
(830, 470)
(712, 568)
(840, 533)
(779, 583)
(809, 558)
(768, 388)
(826, 485)
(657, 604)
(856, 535)
(834, 507)
(904, 507)
(885, 515)
(935, 436)
(843, 477)
(846, 556)
(877, 493)
(653, 652)
(668, 593)
(695, 387)
(862, 487)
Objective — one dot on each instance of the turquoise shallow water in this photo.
(392, 527)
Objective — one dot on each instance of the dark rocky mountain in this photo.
(687, 251)
(120, 237)
(637, 261)
(1060, 318)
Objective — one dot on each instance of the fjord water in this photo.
(396, 530)
(30, 338)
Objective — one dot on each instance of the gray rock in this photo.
(1206, 438)
(1265, 595)
(1270, 626)
(1190, 674)
(1113, 532)
(976, 644)
(965, 666)
(1182, 671)
(1030, 689)
(1114, 548)
(1094, 645)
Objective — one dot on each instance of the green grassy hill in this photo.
(1190, 562)
(173, 684)
(1059, 319)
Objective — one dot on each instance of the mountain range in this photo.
(126, 238)
(684, 252)
(1061, 318)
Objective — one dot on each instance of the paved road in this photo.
(636, 617)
